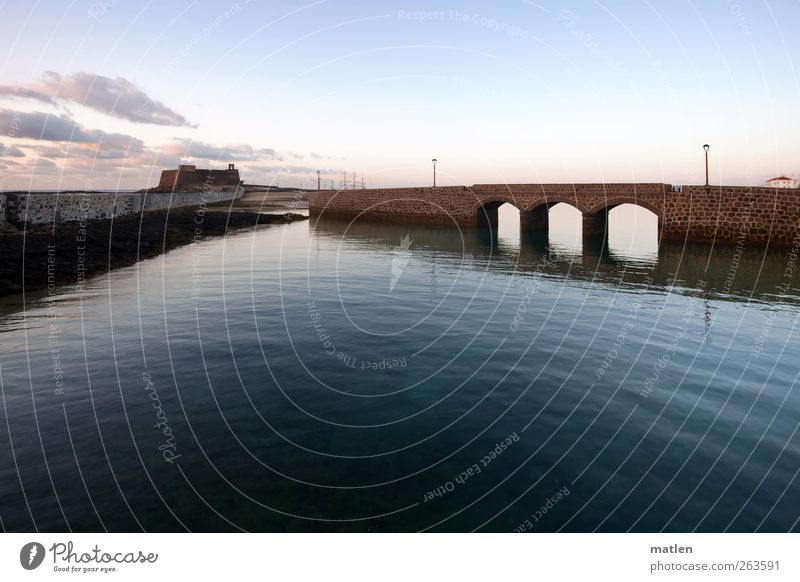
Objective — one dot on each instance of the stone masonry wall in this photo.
(448, 205)
(49, 208)
(731, 214)
(186, 180)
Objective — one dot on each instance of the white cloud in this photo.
(7, 151)
(186, 148)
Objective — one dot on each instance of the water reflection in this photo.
(627, 260)
(340, 376)
(565, 230)
(508, 226)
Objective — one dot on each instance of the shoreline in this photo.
(45, 257)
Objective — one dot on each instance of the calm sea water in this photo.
(395, 378)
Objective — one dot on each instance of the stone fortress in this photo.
(186, 186)
(720, 214)
(188, 178)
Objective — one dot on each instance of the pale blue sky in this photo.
(498, 92)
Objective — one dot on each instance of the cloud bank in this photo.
(116, 97)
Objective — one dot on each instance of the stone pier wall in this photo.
(22, 208)
(451, 205)
(730, 214)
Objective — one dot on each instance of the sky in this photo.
(102, 94)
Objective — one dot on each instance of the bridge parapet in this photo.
(579, 189)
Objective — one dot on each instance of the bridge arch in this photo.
(611, 203)
(485, 210)
(534, 210)
(496, 200)
(551, 201)
(595, 220)
(534, 216)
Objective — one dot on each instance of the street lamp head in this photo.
(434, 160)
(706, 146)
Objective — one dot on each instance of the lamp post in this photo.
(705, 147)
(434, 171)
(318, 182)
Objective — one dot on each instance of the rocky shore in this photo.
(71, 252)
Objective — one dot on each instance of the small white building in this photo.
(781, 182)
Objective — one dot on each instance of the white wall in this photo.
(47, 208)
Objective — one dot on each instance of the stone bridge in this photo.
(698, 213)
